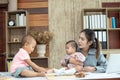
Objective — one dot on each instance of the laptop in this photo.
(113, 65)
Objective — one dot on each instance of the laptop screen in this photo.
(113, 63)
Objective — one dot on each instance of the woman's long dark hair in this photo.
(90, 35)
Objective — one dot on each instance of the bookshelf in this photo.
(16, 28)
(106, 25)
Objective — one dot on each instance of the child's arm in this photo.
(64, 61)
(74, 61)
(35, 67)
(63, 64)
(77, 59)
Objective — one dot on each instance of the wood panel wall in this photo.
(38, 16)
(38, 12)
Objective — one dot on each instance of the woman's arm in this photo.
(95, 65)
(101, 64)
(89, 69)
(34, 66)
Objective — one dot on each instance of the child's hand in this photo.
(42, 74)
(42, 69)
(50, 70)
(72, 60)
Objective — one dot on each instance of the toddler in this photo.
(68, 67)
(22, 66)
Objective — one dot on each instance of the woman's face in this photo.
(83, 42)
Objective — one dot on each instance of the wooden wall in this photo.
(38, 12)
(38, 16)
(65, 22)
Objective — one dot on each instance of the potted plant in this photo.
(42, 39)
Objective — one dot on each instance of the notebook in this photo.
(113, 63)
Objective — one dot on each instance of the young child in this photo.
(22, 66)
(71, 47)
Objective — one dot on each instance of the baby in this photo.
(71, 68)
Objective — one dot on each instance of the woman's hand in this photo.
(89, 69)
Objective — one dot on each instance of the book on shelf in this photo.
(90, 21)
(113, 22)
(98, 21)
(85, 20)
(104, 42)
(96, 34)
(20, 19)
(17, 19)
(109, 20)
(114, 19)
(95, 21)
(103, 21)
(102, 37)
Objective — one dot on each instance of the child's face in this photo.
(69, 49)
(31, 47)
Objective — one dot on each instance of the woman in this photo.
(89, 46)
